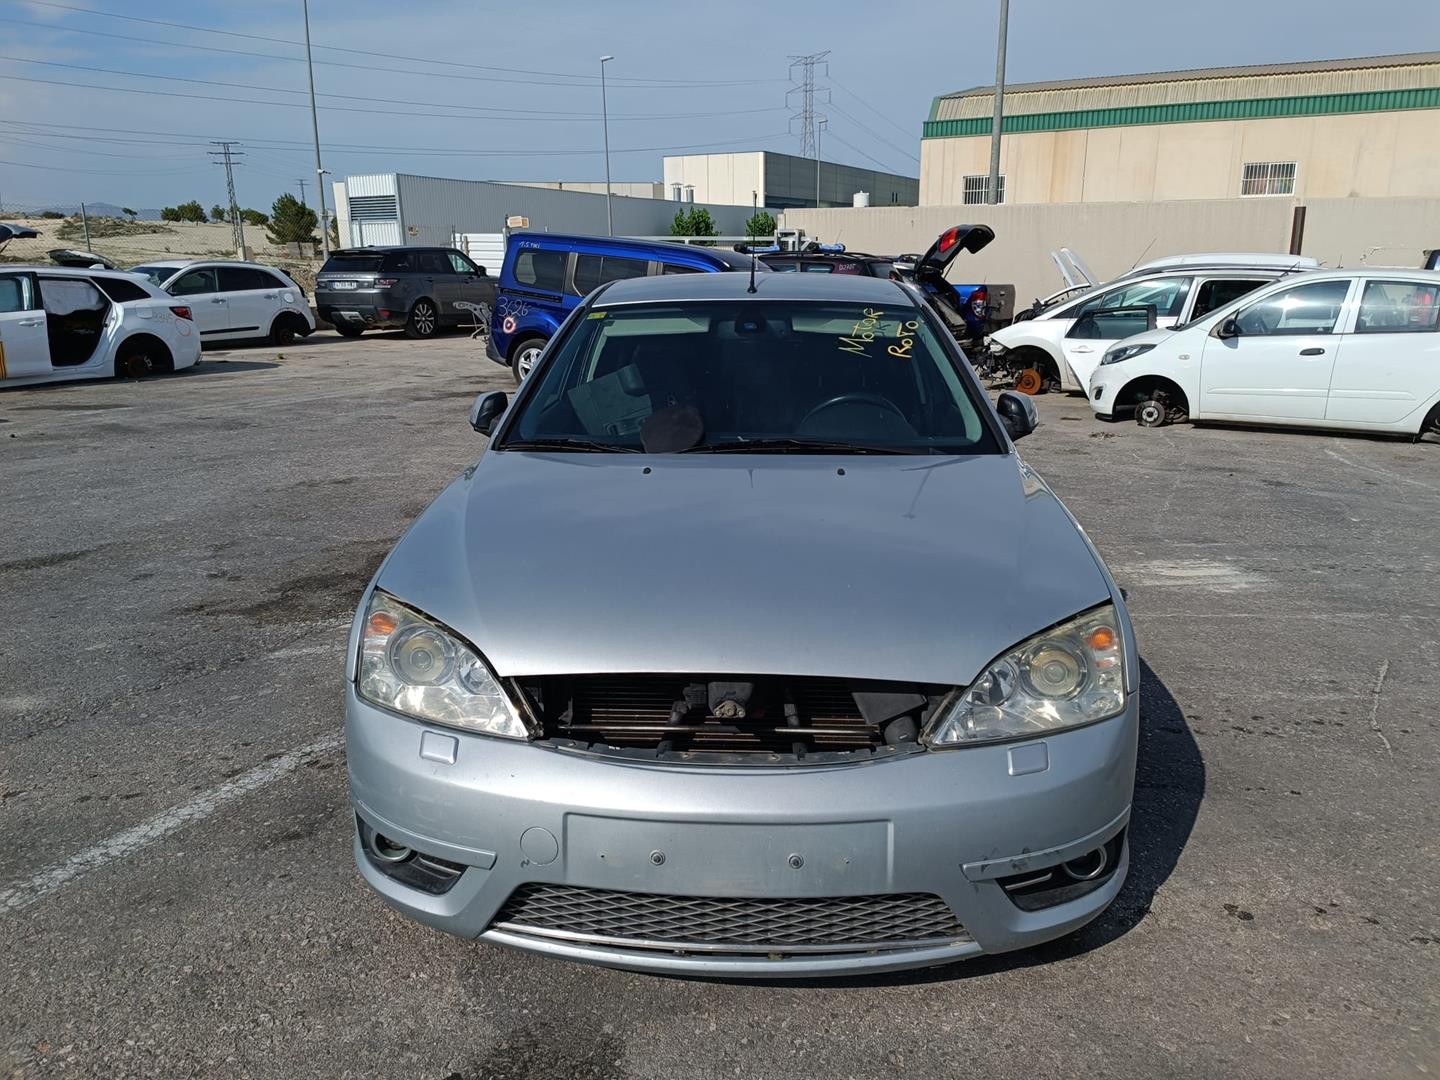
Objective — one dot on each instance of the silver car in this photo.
(730, 655)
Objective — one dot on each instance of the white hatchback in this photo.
(1356, 349)
(60, 323)
(236, 301)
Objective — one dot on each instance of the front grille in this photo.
(731, 925)
(758, 717)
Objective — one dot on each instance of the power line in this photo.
(907, 132)
(862, 153)
(585, 80)
(539, 115)
(875, 134)
(807, 91)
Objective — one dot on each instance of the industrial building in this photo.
(398, 208)
(1365, 127)
(780, 181)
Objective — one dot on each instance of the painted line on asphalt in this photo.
(124, 844)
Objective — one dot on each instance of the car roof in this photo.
(49, 269)
(1351, 272)
(661, 249)
(672, 287)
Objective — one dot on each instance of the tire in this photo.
(1043, 365)
(139, 357)
(282, 331)
(523, 357)
(1156, 412)
(1430, 426)
(424, 321)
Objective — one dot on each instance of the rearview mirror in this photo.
(1228, 328)
(487, 409)
(1017, 413)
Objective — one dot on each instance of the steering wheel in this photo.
(853, 399)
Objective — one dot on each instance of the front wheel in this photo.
(1157, 412)
(523, 362)
(282, 333)
(423, 321)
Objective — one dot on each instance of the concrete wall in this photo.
(780, 180)
(1112, 237)
(1367, 155)
(721, 178)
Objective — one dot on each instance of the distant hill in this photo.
(94, 209)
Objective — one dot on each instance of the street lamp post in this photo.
(819, 127)
(992, 193)
(315, 128)
(605, 126)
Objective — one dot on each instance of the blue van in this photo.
(546, 275)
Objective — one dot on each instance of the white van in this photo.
(1356, 349)
(1064, 343)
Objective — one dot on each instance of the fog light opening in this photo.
(1087, 867)
(387, 850)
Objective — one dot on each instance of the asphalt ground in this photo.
(178, 561)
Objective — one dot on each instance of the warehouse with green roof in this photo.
(1366, 127)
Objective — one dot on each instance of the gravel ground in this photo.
(179, 561)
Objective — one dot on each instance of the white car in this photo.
(236, 301)
(1064, 343)
(1356, 349)
(61, 323)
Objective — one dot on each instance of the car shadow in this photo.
(220, 365)
(1169, 787)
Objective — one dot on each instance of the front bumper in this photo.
(493, 353)
(944, 823)
(1105, 386)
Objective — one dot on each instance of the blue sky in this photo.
(683, 74)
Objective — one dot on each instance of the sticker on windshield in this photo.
(597, 314)
(873, 332)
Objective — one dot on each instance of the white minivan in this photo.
(236, 301)
(1356, 349)
(1064, 343)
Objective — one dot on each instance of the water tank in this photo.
(862, 198)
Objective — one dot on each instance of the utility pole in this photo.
(605, 125)
(302, 182)
(992, 194)
(237, 224)
(85, 223)
(807, 91)
(315, 128)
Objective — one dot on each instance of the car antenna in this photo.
(753, 260)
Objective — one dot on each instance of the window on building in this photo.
(976, 189)
(1268, 178)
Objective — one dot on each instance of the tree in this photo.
(761, 224)
(254, 217)
(52, 215)
(693, 222)
(217, 213)
(190, 211)
(128, 212)
(291, 221)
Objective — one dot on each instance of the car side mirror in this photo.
(487, 409)
(1228, 328)
(1017, 413)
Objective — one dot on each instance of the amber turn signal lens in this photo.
(1102, 637)
(381, 623)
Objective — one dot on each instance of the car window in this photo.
(353, 263)
(120, 290)
(1302, 309)
(1217, 292)
(1167, 294)
(462, 265)
(244, 279)
(787, 266)
(592, 271)
(881, 269)
(542, 269)
(16, 293)
(195, 282)
(827, 372)
(157, 275)
(70, 296)
(676, 268)
(432, 262)
(398, 262)
(1105, 324)
(1398, 307)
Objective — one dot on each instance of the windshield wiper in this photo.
(790, 444)
(579, 446)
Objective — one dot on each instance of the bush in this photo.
(693, 222)
(52, 215)
(292, 222)
(761, 224)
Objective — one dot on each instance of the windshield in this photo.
(762, 376)
(158, 275)
(351, 264)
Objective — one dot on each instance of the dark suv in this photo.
(418, 288)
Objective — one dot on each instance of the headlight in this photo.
(1071, 675)
(1125, 352)
(417, 667)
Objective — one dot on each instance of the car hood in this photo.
(905, 568)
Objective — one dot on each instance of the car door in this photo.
(1117, 311)
(1213, 293)
(473, 287)
(201, 287)
(24, 345)
(252, 298)
(439, 281)
(1389, 365)
(1272, 359)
